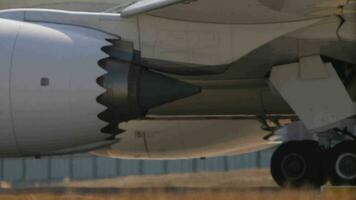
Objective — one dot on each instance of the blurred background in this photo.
(29, 172)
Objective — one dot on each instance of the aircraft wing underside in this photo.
(223, 11)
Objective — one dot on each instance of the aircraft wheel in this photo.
(343, 164)
(297, 164)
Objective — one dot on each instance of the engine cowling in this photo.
(64, 89)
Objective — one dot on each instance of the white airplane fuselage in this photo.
(228, 61)
(199, 79)
(199, 48)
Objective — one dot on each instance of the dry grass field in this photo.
(187, 195)
(238, 179)
(242, 185)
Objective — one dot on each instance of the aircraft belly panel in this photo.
(207, 43)
(250, 12)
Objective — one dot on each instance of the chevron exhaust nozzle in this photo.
(132, 90)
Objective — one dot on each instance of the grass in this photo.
(234, 179)
(189, 195)
(241, 185)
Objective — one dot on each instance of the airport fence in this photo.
(30, 171)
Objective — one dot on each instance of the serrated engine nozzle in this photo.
(131, 90)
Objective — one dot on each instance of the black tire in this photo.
(343, 164)
(298, 164)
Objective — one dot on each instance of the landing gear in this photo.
(342, 164)
(305, 163)
(298, 164)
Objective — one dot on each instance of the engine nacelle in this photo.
(186, 139)
(64, 89)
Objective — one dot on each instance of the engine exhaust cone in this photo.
(131, 90)
(156, 89)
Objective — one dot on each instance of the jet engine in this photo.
(64, 89)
